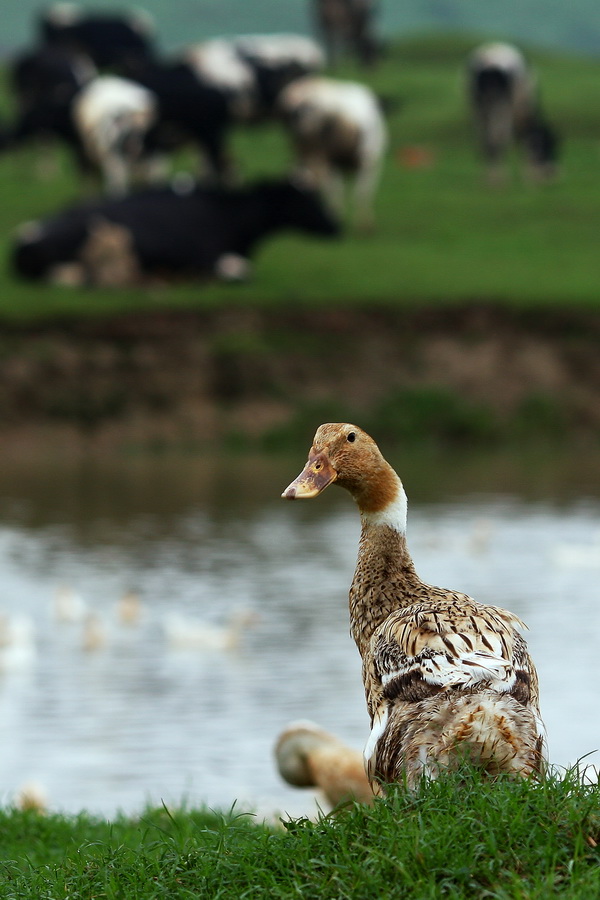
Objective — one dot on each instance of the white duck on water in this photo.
(445, 677)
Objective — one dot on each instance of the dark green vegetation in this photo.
(443, 235)
(458, 838)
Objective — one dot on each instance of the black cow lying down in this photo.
(166, 233)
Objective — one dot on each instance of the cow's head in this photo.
(298, 204)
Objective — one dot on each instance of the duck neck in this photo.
(385, 578)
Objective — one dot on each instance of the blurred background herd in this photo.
(101, 84)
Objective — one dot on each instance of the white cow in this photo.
(504, 100)
(112, 116)
(337, 130)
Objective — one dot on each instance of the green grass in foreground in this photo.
(457, 838)
(443, 235)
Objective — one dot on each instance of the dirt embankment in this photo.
(202, 378)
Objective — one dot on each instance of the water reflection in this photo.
(139, 717)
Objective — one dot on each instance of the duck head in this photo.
(345, 455)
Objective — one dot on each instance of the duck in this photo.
(93, 636)
(68, 605)
(32, 797)
(185, 632)
(446, 678)
(129, 608)
(17, 642)
(579, 556)
(308, 756)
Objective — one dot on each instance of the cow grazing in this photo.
(166, 233)
(337, 130)
(112, 117)
(254, 68)
(111, 40)
(124, 127)
(347, 26)
(104, 122)
(505, 105)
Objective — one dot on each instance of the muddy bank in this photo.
(243, 376)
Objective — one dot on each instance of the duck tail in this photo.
(494, 732)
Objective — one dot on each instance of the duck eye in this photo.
(351, 437)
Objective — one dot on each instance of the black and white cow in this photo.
(105, 123)
(338, 131)
(504, 101)
(124, 127)
(111, 40)
(190, 110)
(254, 68)
(43, 83)
(347, 26)
(48, 73)
(166, 233)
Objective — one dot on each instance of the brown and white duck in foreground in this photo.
(445, 677)
(309, 756)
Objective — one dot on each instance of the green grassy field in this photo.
(457, 838)
(443, 235)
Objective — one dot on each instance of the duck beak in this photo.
(312, 480)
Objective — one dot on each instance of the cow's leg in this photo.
(116, 174)
(362, 39)
(334, 190)
(495, 130)
(219, 164)
(314, 171)
(364, 191)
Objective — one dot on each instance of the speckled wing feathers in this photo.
(450, 640)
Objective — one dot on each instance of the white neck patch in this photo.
(394, 514)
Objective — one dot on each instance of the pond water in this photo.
(106, 715)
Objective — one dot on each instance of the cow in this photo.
(43, 82)
(112, 117)
(124, 127)
(217, 63)
(105, 123)
(347, 26)
(254, 68)
(337, 130)
(276, 60)
(190, 110)
(505, 105)
(47, 73)
(111, 40)
(178, 232)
